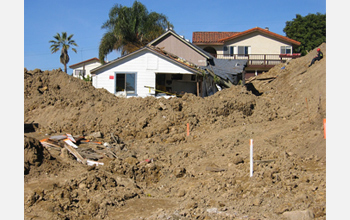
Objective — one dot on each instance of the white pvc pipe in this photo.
(251, 157)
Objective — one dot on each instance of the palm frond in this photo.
(64, 36)
(70, 37)
(108, 44)
(65, 44)
(132, 28)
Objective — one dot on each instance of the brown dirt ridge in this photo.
(201, 176)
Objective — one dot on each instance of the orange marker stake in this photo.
(188, 129)
(324, 128)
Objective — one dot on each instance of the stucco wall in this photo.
(88, 68)
(259, 43)
(173, 45)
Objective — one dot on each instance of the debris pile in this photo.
(69, 143)
(156, 168)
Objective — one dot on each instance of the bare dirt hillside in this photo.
(201, 176)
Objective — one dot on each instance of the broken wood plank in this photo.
(58, 137)
(49, 143)
(75, 153)
(251, 79)
(115, 139)
(70, 137)
(91, 163)
(90, 154)
(255, 78)
(267, 78)
(69, 142)
(215, 169)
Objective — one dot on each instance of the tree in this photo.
(310, 31)
(131, 28)
(63, 42)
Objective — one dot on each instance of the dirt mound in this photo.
(61, 103)
(34, 154)
(203, 175)
(88, 195)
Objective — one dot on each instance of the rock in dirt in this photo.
(131, 160)
(237, 160)
(179, 172)
(299, 215)
(94, 135)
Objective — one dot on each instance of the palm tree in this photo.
(63, 42)
(129, 29)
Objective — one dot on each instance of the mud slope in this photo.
(201, 176)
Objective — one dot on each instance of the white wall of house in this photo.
(144, 65)
(88, 68)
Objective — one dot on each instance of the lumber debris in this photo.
(251, 79)
(85, 155)
(75, 153)
(215, 169)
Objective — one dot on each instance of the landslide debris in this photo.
(160, 172)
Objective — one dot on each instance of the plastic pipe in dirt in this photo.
(251, 157)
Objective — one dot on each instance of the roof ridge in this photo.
(84, 61)
(211, 36)
(261, 30)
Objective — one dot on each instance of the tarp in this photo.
(227, 69)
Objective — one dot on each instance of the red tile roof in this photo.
(262, 31)
(85, 61)
(221, 37)
(210, 37)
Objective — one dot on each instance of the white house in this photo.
(261, 48)
(145, 72)
(83, 69)
(167, 65)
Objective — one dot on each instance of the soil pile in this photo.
(34, 154)
(203, 175)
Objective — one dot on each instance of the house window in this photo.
(231, 51)
(79, 72)
(126, 82)
(243, 50)
(286, 49)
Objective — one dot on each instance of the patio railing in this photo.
(260, 59)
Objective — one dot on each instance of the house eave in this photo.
(76, 65)
(182, 40)
(257, 29)
(148, 48)
(209, 44)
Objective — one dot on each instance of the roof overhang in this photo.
(264, 31)
(193, 46)
(209, 44)
(184, 64)
(92, 60)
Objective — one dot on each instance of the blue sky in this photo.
(43, 19)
